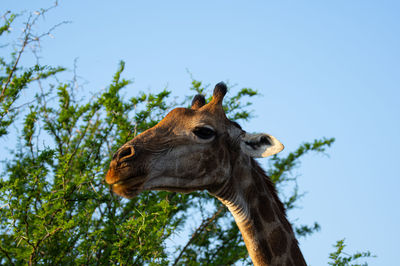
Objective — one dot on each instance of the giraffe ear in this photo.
(260, 145)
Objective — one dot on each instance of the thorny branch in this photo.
(29, 37)
(7, 255)
(199, 230)
(32, 256)
(24, 44)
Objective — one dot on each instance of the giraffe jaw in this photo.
(124, 192)
(127, 188)
(177, 184)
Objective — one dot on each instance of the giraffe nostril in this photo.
(126, 153)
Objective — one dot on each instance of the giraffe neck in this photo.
(252, 199)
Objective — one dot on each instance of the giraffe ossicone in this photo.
(201, 149)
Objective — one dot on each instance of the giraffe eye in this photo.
(204, 132)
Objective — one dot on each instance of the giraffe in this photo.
(199, 148)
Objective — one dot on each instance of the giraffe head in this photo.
(190, 149)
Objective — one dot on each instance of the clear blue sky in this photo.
(325, 68)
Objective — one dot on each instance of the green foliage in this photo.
(305, 230)
(55, 207)
(340, 258)
(14, 79)
(7, 22)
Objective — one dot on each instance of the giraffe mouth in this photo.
(125, 181)
(128, 187)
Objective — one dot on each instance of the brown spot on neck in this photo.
(261, 217)
(278, 241)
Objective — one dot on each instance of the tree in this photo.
(55, 207)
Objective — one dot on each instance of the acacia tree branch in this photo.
(32, 256)
(205, 223)
(24, 44)
(7, 255)
(28, 37)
